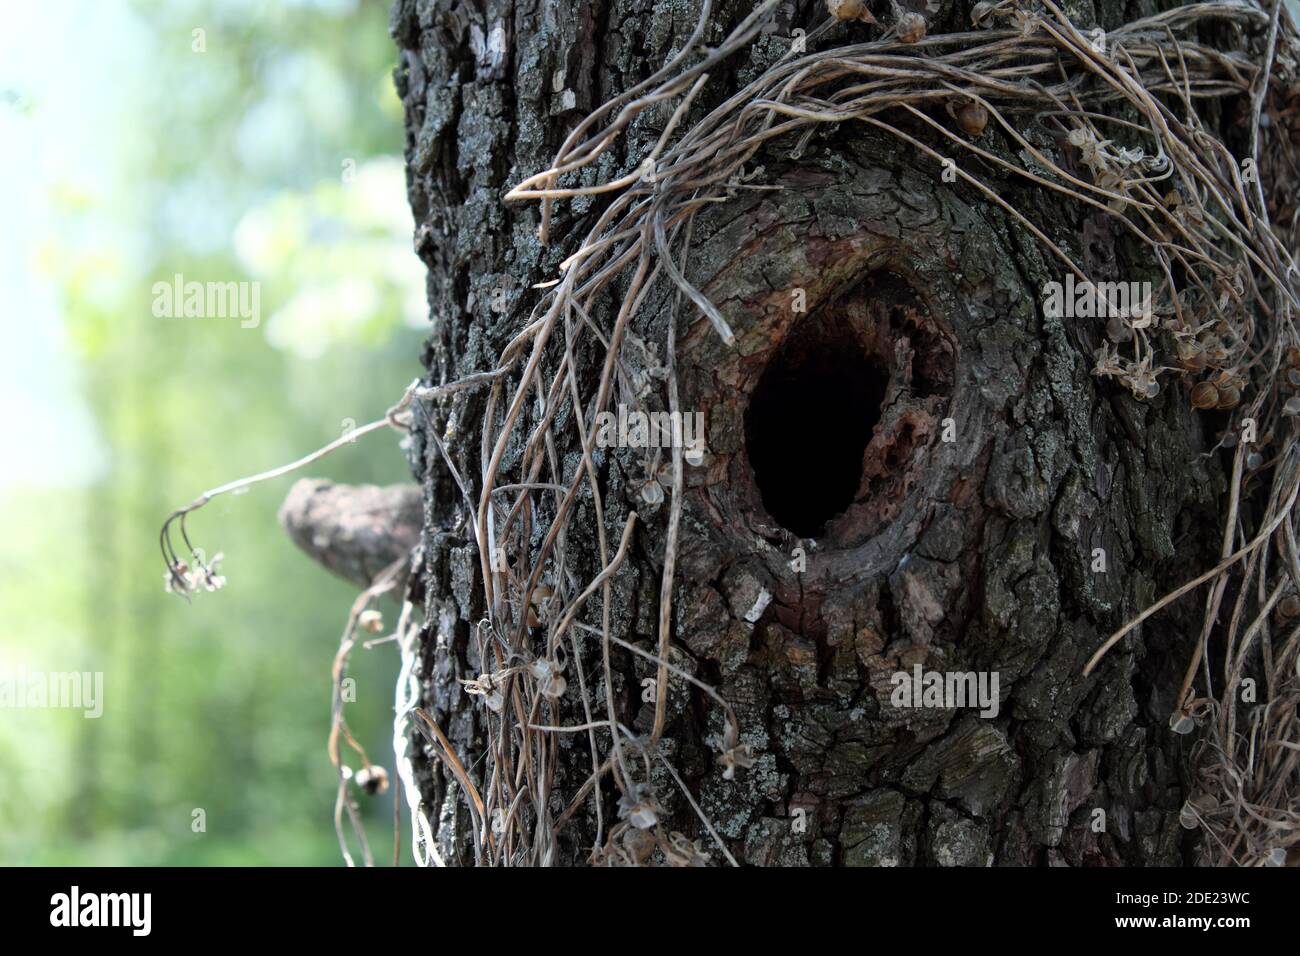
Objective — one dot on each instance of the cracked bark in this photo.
(973, 554)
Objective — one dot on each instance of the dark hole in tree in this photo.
(808, 424)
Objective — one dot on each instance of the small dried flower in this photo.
(549, 676)
(737, 757)
(207, 577)
(371, 620)
(1130, 156)
(1028, 22)
(1095, 156)
(372, 779)
(681, 851)
(734, 755)
(911, 28)
(488, 687)
(1141, 379)
(181, 579)
(639, 807)
(1107, 362)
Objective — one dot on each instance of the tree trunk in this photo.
(908, 465)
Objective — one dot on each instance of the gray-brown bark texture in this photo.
(971, 554)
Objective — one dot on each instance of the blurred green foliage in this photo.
(272, 155)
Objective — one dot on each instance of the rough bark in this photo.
(974, 554)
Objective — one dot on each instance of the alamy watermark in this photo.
(75, 908)
(179, 299)
(50, 690)
(1088, 300)
(946, 689)
(639, 429)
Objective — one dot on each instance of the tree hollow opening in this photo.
(808, 424)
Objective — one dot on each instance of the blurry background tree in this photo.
(265, 148)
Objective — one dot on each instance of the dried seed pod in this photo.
(972, 118)
(652, 493)
(550, 679)
(372, 779)
(1254, 461)
(371, 620)
(1181, 723)
(639, 844)
(1293, 356)
(1196, 807)
(911, 28)
(849, 10)
(1191, 355)
(1292, 406)
(1118, 331)
(541, 595)
(1229, 397)
(1205, 395)
(981, 14)
(1293, 377)
(1288, 609)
